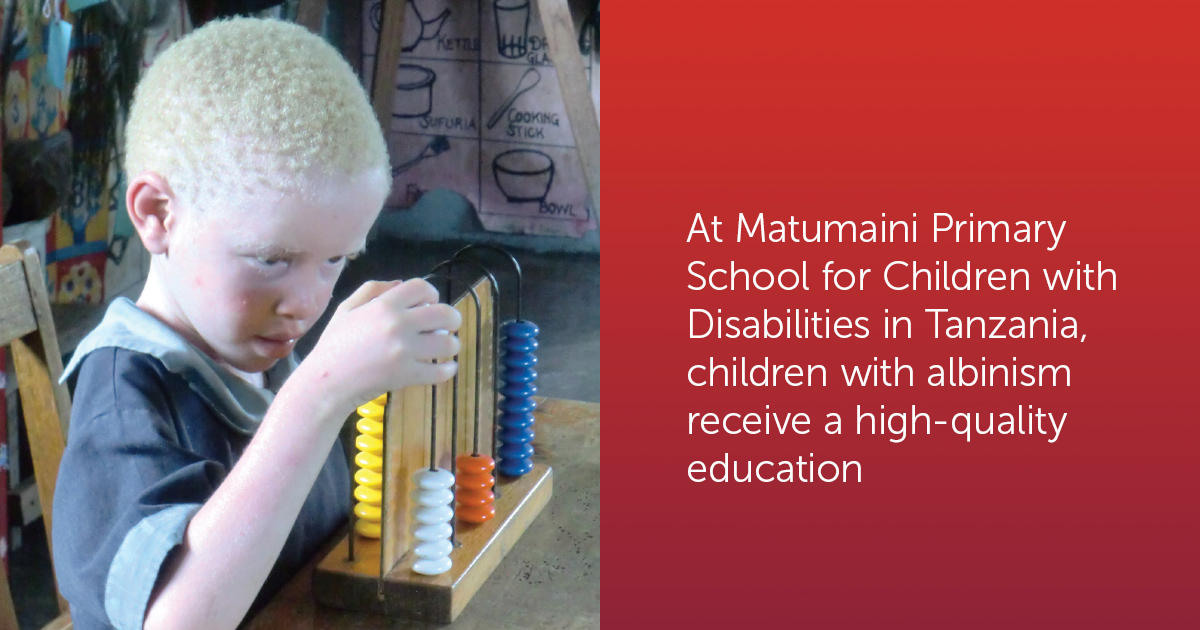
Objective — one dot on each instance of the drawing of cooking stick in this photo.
(521, 89)
(437, 146)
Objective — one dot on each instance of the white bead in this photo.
(432, 532)
(435, 549)
(433, 479)
(430, 566)
(433, 514)
(433, 497)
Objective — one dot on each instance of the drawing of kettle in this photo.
(417, 29)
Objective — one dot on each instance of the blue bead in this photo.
(518, 405)
(516, 360)
(515, 467)
(521, 375)
(515, 435)
(515, 451)
(522, 328)
(516, 420)
(519, 390)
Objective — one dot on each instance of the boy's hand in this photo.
(385, 337)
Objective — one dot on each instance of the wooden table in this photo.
(550, 579)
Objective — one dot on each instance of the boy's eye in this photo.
(269, 262)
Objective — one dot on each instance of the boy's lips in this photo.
(276, 346)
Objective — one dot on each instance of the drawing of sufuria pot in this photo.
(512, 27)
(414, 91)
(523, 175)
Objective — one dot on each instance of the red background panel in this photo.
(1084, 112)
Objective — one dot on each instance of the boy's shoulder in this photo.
(113, 379)
(133, 356)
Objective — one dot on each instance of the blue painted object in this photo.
(516, 410)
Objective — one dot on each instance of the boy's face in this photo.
(247, 283)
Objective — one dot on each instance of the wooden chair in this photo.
(26, 326)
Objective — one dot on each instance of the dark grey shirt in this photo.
(154, 431)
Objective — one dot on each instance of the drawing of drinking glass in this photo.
(512, 27)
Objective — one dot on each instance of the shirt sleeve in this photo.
(127, 488)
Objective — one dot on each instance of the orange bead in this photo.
(475, 482)
(474, 495)
(475, 498)
(476, 514)
(475, 464)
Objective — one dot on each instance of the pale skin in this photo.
(242, 286)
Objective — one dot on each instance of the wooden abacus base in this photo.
(355, 585)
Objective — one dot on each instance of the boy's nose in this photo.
(301, 304)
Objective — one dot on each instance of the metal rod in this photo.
(448, 275)
(353, 515)
(454, 397)
(433, 428)
(494, 292)
(512, 259)
(454, 458)
(461, 256)
(437, 273)
(478, 375)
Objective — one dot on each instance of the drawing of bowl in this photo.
(414, 91)
(523, 175)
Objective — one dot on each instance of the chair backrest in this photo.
(28, 329)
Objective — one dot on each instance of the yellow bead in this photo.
(368, 495)
(368, 512)
(371, 410)
(367, 529)
(370, 464)
(373, 463)
(369, 444)
(368, 478)
(370, 427)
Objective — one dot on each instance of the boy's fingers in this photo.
(431, 317)
(411, 293)
(367, 292)
(429, 373)
(434, 346)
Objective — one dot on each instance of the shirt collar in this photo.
(238, 403)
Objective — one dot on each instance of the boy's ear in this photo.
(151, 205)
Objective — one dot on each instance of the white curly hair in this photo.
(245, 105)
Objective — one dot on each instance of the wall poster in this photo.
(478, 110)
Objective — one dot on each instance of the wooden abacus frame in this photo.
(379, 577)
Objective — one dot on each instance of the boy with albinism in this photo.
(202, 467)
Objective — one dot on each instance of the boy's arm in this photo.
(380, 339)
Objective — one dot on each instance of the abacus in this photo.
(434, 512)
